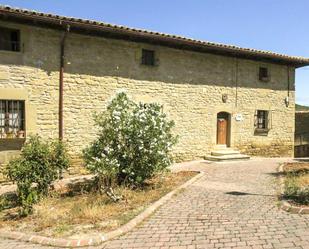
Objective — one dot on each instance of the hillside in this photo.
(301, 108)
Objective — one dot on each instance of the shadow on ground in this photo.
(237, 193)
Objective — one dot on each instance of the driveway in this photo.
(233, 206)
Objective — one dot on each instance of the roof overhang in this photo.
(120, 32)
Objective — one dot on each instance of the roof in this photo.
(138, 35)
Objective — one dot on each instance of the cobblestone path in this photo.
(233, 206)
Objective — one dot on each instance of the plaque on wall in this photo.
(239, 117)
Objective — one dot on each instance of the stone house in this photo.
(302, 134)
(55, 72)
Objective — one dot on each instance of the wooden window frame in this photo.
(264, 74)
(148, 57)
(12, 119)
(13, 44)
(262, 121)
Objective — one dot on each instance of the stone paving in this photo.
(233, 206)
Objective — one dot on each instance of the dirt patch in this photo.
(296, 183)
(296, 167)
(81, 212)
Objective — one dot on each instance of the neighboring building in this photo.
(215, 93)
(302, 133)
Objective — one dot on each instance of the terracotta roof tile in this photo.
(232, 49)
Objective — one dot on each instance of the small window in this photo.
(263, 74)
(12, 119)
(262, 121)
(9, 39)
(148, 57)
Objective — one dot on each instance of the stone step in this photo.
(232, 157)
(224, 152)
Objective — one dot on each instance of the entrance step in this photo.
(227, 158)
(226, 154)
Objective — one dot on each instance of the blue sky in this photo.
(276, 25)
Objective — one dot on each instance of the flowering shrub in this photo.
(134, 142)
(34, 171)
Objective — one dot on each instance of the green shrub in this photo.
(34, 171)
(59, 157)
(294, 192)
(134, 142)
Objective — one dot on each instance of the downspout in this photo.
(236, 82)
(287, 99)
(61, 71)
(288, 70)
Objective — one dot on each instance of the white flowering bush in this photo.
(134, 142)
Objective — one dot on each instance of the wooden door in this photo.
(222, 125)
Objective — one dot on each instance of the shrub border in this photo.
(286, 204)
(97, 240)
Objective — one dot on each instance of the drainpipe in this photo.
(287, 99)
(288, 71)
(61, 71)
(236, 82)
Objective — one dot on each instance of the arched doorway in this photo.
(223, 128)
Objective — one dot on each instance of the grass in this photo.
(296, 183)
(84, 212)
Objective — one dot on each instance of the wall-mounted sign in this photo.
(239, 117)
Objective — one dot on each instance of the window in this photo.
(262, 121)
(9, 39)
(12, 119)
(263, 74)
(148, 57)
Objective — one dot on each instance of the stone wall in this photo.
(189, 84)
(302, 134)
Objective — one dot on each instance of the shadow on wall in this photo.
(99, 57)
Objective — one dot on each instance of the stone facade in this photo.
(189, 84)
(302, 134)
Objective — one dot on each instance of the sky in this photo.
(276, 25)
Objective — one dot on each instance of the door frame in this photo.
(227, 117)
